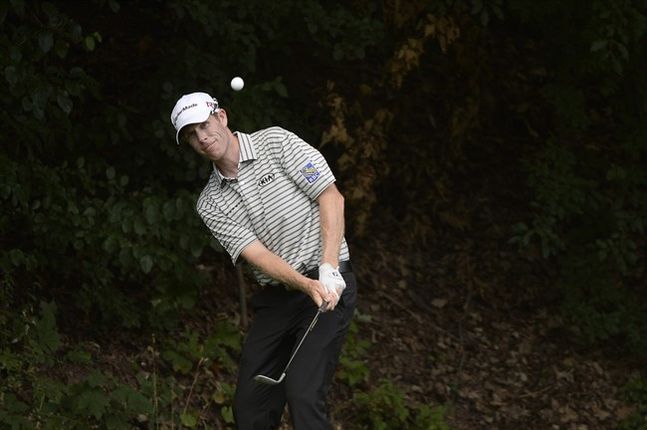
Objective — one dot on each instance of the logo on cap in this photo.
(182, 110)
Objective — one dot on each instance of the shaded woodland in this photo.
(492, 156)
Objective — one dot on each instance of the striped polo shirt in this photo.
(273, 199)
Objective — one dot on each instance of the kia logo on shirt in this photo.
(266, 179)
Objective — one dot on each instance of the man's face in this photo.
(209, 138)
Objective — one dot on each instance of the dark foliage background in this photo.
(501, 142)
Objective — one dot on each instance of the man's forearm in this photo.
(274, 266)
(278, 269)
(331, 211)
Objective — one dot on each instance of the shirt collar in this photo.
(247, 150)
(247, 153)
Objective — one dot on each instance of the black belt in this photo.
(344, 267)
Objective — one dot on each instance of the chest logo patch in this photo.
(310, 172)
(266, 179)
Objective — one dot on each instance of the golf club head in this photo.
(262, 379)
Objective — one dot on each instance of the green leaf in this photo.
(179, 205)
(14, 405)
(179, 362)
(227, 414)
(227, 334)
(4, 8)
(110, 173)
(139, 226)
(184, 242)
(111, 244)
(45, 42)
(146, 263)
(598, 45)
(281, 89)
(89, 43)
(15, 54)
(79, 356)
(27, 104)
(16, 256)
(77, 73)
(93, 402)
(196, 249)
(125, 257)
(96, 379)
(11, 75)
(150, 212)
(47, 332)
(50, 10)
(19, 7)
(64, 103)
(132, 400)
(189, 419)
(624, 53)
(114, 6)
(219, 396)
(114, 422)
(169, 211)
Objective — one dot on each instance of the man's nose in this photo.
(202, 135)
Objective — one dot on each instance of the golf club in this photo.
(262, 379)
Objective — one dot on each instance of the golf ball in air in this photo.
(237, 83)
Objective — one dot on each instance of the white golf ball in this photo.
(237, 83)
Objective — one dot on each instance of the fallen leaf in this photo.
(439, 303)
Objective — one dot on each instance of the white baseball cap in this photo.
(192, 109)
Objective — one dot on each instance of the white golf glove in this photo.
(331, 279)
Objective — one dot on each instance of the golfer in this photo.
(271, 199)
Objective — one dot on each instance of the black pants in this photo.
(280, 320)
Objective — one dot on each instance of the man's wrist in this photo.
(308, 285)
(334, 264)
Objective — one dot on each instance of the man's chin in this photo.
(212, 155)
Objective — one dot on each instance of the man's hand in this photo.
(333, 281)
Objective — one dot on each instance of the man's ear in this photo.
(222, 116)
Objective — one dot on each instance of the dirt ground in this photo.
(506, 363)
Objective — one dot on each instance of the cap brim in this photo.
(189, 118)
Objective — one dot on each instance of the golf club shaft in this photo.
(271, 381)
(312, 324)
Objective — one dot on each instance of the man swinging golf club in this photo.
(272, 200)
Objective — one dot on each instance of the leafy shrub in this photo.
(35, 395)
(107, 240)
(386, 407)
(635, 392)
(586, 173)
(224, 398)
(353, 368)
(590, 217)
(221, 346)
(601, 310)
(48, 384)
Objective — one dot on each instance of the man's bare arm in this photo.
(331, 211)
(278, 269)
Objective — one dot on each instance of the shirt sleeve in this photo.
(231, 235)
(305, 165)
